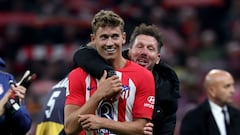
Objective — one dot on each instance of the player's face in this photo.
(224, 89)
(109, 41)
(144, 51)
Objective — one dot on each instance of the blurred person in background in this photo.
(51, 118)
(214, 116)
(51, 121)
(14, 117)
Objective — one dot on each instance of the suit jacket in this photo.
(200, 121)
(166, 101)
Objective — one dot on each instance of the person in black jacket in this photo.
(144, 49)
(208, 117)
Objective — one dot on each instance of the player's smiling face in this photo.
(109, 41)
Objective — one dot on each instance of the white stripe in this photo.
(87, 82)
(39, 52)
(62, 83)
(130, 100)
(58, 52)
(66, 81)
(115, 104)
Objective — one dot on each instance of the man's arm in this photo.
(18, 119)
(88, 58)
(3, 101)
(72, 111)
(134, 127)
(93, 122)
(21, 121)
(107, 89)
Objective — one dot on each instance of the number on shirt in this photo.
(51, 103)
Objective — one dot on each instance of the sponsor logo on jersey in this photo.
(104, 131)
(150, 103)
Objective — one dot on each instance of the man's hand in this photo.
(148, 129)
(15, 91)
(19, 91)
(109, 88)
(90, 122)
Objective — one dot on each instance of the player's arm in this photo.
(106, 89)
(72, 112)
(3, 101)
(93, 122)
(88, 58)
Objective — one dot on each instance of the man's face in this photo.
(144, 51)
(109, 41)
(223, 89)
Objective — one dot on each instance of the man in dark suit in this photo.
(208, 118)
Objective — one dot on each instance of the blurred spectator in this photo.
(210, 53)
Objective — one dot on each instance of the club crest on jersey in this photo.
(125, 91)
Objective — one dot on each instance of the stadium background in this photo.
(42, 35)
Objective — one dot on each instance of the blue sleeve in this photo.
(20, 121)
(2, 120)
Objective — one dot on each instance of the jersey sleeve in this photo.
(76, 91)
(20, 121)
(145, 96)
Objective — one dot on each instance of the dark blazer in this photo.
(166, 102)
(200, 121)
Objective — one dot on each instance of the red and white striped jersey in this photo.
(136, 100)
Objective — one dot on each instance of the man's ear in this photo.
(211, 92)
(158, 58)
(129, 53)
(92, 37)
(124, 37)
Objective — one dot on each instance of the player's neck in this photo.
(117, 63)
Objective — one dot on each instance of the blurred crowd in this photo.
(42, 35)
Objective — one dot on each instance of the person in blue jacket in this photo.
(14, 117)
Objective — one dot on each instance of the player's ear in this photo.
(92, 37)
(158, 58)
(124, 37)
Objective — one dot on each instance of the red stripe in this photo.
(29, 52)
(49, 51)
